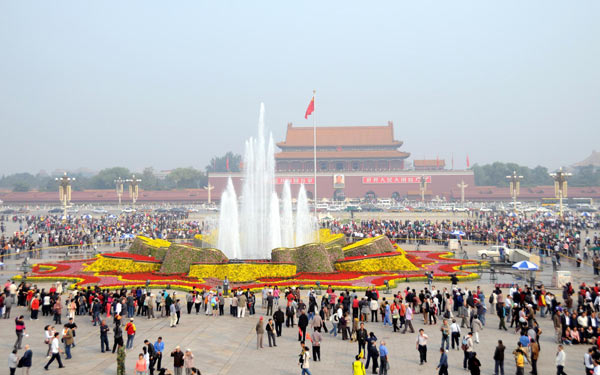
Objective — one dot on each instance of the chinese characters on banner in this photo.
(395, 180)
(295, 180)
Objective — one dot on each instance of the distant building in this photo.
(592, 160)
(429, 165)
(353, 162)
(341, 149)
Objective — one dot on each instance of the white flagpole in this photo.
(315, 149)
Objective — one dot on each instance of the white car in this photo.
(494, 252)
(99, 210)
(128, 210)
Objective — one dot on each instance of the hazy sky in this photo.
(168, 84)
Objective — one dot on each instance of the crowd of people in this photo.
(458, 313)
(39, 231)
(536, 233)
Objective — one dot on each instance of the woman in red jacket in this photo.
(35, 307)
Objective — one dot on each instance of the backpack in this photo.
(465, 344)
(491, 299)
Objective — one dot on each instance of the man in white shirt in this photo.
(588, 361)
(560, 360)
(422, 346)
(55, 351)
(455, 334)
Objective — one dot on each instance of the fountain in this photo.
(229, 235)
(261, 226)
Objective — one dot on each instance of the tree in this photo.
(219, 164)
(21, 187)
(183, 178)
(105, 179)
(149, 180)
(495, 174)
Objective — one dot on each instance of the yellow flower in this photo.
(241, 271)
(376, 264)
(154, 242)
(103, 264)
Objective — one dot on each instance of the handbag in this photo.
(20, 363)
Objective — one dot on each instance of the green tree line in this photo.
(495, 175)
(178, 178)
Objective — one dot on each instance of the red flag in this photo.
(311, 108)
(468, 164)
(227, 164)
(437, 161)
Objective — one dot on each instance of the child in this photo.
(140, 365)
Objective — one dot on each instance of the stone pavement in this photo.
(227, 345)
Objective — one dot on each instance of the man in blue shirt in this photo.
(524, 340)
(443, 365)
(383, 358)
(159, 348)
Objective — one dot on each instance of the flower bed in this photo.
(440, 263)
(123, 263)
(375, 263)
(154, 242)
(239, 272)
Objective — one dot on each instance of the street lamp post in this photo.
(119, 188)
(64, 191)
(515, 184)
(423, 188)
(560, 187)
(134, 188)
(208, 188)
(462, 187)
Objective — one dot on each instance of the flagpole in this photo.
(315, 150)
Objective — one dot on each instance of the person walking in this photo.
(372, 353)
(422, 346)
(130, 329)
(442, 366)
(104, 337)
(149, 349)
(535, 352)
(271, 333)
(474, 364)
(26, 360)
(455, 334)
(12, 362)
(55, 352)
(317, 338)
(467, 347)
(118, 336)
(408, 317)
(68, 341)
(19, 331)
(445, 329)
(173, 315)
(121, 355)
(178, 363)
(520, 356)
(305, 360)
(188, 361)
(499, 359)
(302, 324)
(383, 359)
(279, 318)
(358, 367)
(260, 330)
(560, 360)
(361, 338)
